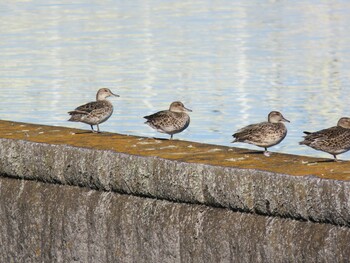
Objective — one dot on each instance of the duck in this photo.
(264, 134)
(334, 140)
(171, 121)
(95, 112)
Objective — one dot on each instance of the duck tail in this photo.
(76, 115)
(75, 118)
(73, 112)
(235, 138)
(303, 143)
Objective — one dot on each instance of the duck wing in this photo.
(252, 131)
(322, 134)
(326, 136)
(159, 119)
(88, 108)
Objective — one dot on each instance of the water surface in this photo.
(230, 62)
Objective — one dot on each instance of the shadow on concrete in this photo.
(85, 132)
(163, 139)
(326, 161)
(253, 152)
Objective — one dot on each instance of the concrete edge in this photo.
(246, 190)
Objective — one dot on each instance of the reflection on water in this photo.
(231, 63)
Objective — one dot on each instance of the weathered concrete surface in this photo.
(178, 150)
(164, 201)
(245, 190)
(53, 223)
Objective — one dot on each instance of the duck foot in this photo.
(95, 131)
(336, 160)
(267, 154)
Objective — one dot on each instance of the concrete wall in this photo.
(60, 203)
(54, 223)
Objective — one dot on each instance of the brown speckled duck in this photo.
(170, 121)
(95, 112)
(264, 134)
(334, 140)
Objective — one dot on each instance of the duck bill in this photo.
(115, 95)
(186, 109)
(285, 120)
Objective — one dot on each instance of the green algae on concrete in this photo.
(164, 170)
(178, 150)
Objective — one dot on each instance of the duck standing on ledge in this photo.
(334, 140)
(170, 121)
(95, 112)
(264, 134)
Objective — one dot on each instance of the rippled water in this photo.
(231, 62)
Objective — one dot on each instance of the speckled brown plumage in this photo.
(263, 134)
(334, 140)
(95, 112)
(170, 121)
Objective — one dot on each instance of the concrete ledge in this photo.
(70, 196)
(55, 223)
(244, 190)
(183, 151)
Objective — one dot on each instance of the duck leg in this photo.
(92, 128)
(266, 153)
(171, 136)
